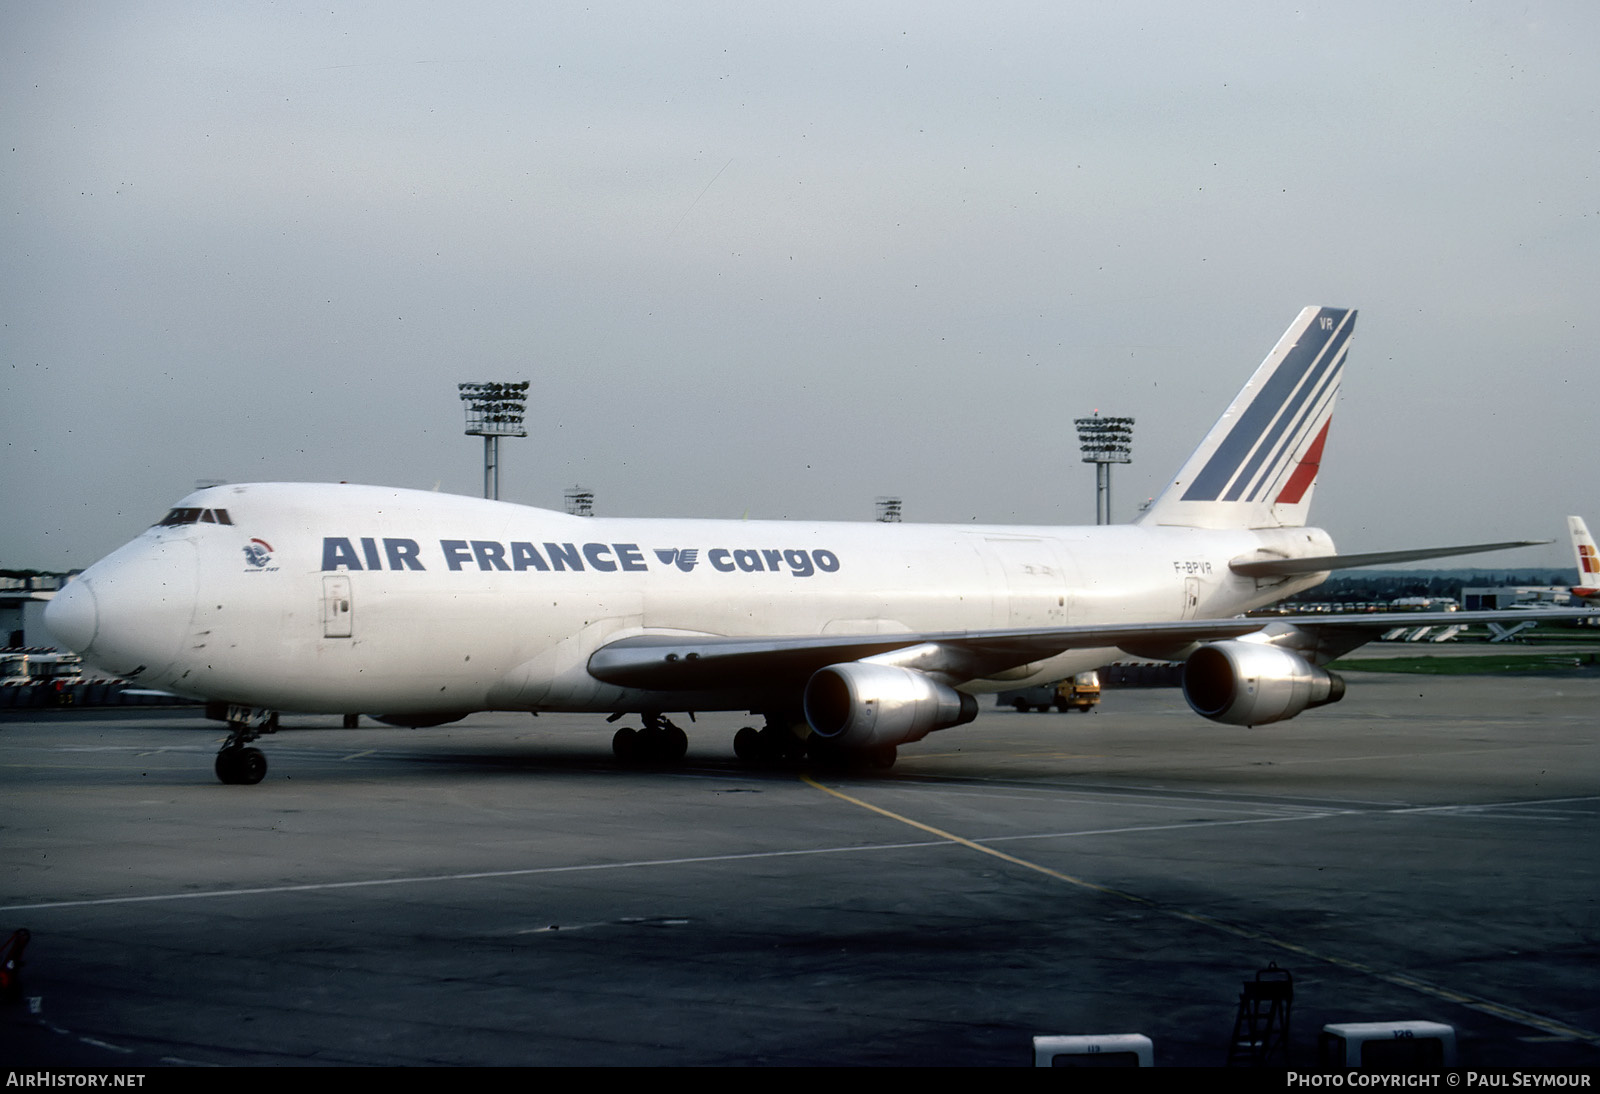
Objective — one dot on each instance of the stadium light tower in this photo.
(580, 502)
(1104, 441)
(494, 410)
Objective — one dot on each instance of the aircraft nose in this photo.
(72, 616)
(131, 612)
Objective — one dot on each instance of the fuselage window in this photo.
(195, 516)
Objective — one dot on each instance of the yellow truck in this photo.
(1080, 692)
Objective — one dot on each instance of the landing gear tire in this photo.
(237, 764)
(674, 744)
(770, 746)
(241, 766)
(747, 745)
(659, 742)
(625, 744)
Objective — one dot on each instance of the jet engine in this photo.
(859, 704)
(1252, 683)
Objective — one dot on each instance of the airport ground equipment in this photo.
(1094, 1050)
(1078, 692)
(1387, 1046)
(1141, 674)
(1261, 1028)
(1422, 634)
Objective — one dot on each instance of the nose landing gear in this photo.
(241, 766)
(238, 765)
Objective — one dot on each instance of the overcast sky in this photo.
(776, 263)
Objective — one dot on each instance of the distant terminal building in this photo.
(1489, 598)
(22, 601)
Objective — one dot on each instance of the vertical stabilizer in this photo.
(1588, 586)
(1258, 465)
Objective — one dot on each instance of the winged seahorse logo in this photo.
(682, 559)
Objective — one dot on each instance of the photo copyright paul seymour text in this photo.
(1472, 1080)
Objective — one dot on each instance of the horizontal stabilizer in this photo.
(1288, 567)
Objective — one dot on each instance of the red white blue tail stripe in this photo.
(1258, 465)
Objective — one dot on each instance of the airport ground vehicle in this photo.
(28, 667)
(1080, 691)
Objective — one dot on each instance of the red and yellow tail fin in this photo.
(1588, 586)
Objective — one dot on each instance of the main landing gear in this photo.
(237, 764)
(659, 742)
(779, 742)
(783, 741)
(786, 742)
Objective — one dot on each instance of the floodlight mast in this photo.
(1104, 441)
(494, 410)
(580, 502)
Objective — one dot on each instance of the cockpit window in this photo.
(195, 516)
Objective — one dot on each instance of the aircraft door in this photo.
(338, 610)
(1191, 596)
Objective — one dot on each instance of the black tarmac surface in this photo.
(499, 891)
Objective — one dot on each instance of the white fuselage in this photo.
(344, 598)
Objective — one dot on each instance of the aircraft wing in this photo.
(656, 662)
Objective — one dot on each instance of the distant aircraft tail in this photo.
(1258, 465)
(1588, 586)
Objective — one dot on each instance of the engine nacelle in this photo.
(859, 704)
(1252, 683)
